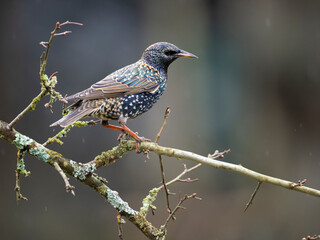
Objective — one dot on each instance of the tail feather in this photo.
(72, 117)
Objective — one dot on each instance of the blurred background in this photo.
(255, 89)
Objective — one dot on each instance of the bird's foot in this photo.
(139, 140)
(127, 136)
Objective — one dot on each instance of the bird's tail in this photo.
(72, 117)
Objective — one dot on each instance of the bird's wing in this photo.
(136, 78)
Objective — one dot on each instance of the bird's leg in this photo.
(125, 129)
(135, 136)
(107, 125)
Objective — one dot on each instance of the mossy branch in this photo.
(84, 172)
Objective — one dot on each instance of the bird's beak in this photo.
(183, 53)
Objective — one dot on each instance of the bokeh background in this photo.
(255, 89)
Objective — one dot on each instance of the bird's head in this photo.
(161, 54)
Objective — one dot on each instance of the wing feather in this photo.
(133, 79)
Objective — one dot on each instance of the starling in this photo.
(127, 92)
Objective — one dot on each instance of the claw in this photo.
(124, 130)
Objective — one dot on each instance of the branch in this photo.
(171, 216)
(252, 196)
(151, 197)
(69, 188)
(82, 173)
(47, 83)
(181, 154)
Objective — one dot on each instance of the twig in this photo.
(20, 170)
(164, 184)
(30, 107)
(69, 188)
(43, 62)
(299, 183)
(62, 33)
(151, 197)
(120, 221)
(314, 237)
(185, 171)
(252, 196)
(171, 216)
(218, 154)
(17, 187)
(68, 22)
(166, 114)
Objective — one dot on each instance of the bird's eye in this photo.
(170, 52)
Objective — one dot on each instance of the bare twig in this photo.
(252, 196)
(68, 22)
(314, 237)
(166, 115)
(44, 44)
(62, 33)
(218, 154)
(299, 183)
(171, 216)
(164, 183)
(185, 171)
(69, 188)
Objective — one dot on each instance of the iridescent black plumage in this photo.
(127, 92)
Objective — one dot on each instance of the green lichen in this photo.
(44, 78)
(148, 200)
(116, 201)
(81, 171)
(37, 99)
(108, 157)
(81, 123)
(22, 142)
(21, 166)
(40, 153)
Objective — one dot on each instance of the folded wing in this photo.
(133, 79)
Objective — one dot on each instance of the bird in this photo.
(127, 92)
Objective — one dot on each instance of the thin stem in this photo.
(253, 195)
(164, 183)
(30, 107)
(69, 188)
(166, 114)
